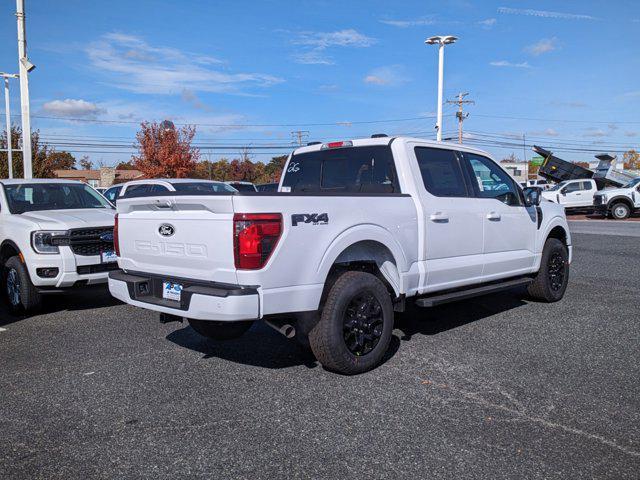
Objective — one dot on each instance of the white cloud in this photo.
(571, 104)
(191, 98)
(409, 23)
(320, 42)
(544, 14)
(71, 108)
(630, 134)
(136, 66)
(596, 133)
(547, 132)
(488, 23)
(391, 75)
(504, 63)
(340, 38)
(543, 46)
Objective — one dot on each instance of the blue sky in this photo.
(565, 74)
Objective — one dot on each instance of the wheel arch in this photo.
(620, 199)
(369, 248)
(7, 250)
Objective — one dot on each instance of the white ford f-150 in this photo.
(356, 229)
(54, 235)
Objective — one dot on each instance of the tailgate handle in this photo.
(167, 204)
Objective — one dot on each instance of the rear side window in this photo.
(586, 186)
(572, 187)
(441, 172)
(349, 170)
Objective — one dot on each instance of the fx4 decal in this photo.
(313, 218)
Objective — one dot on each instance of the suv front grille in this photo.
(91, 241)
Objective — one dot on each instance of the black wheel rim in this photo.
(363, 323)
(13, 287)
(556, 271)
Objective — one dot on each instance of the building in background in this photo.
(104, 177)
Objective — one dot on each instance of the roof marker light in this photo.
(346, 143)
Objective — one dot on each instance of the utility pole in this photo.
(459, 114)
(7, 111)
(25, 67)
(300, 136)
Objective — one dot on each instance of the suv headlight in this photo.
(48, 241)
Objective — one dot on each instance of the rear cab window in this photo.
(364, 169)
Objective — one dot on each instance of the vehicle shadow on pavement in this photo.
(82, 300)
(261, 346)
(435, 320)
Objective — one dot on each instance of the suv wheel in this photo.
(551, 281)
(20, 293)
(355, 325)
(620, 211)
(220, 330)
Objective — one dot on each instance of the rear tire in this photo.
(355, 325)
(552, 279)
(620, 211)
(220, 330)
(20, 293)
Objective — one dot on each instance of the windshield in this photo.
(244, 187)
(203, 187)
(632, 183)
(30, 197)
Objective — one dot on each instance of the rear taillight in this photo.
(116, 243)
(255, 236)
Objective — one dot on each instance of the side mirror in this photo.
(563, 191)
(532, 197)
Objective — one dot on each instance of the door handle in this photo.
(439, 217)
(495, 216)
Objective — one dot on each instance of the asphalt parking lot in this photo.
(495, 387)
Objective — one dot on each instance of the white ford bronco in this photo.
(54, 235)
(356, 229)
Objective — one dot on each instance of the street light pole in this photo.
(25, 67)
(7, 111)
(441, 41)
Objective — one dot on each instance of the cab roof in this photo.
(19, 181)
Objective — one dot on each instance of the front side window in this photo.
(31, 197)
(368, 169)
(441, 172)
(491, 181)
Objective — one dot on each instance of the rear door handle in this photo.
(439, 217)
(495, 216)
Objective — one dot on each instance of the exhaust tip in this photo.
(288, 331)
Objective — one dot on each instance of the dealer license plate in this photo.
(171, 291)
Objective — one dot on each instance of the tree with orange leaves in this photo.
(164, 151)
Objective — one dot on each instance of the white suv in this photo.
(54, 235)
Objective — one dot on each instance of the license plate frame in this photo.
(108, 256)
(172, 291)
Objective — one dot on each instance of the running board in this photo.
(434, 300)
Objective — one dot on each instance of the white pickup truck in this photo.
(619, 203)
(54, 235)
(573, 194)
(355, 230)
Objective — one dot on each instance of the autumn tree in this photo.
(125, 166)
(165, 152)
(511, 158)
(631, 160)
(44, 158)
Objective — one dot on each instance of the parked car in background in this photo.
(243, 186)
(573, 194)
(267, 187)
(357, 229)
(619, 203)
(138, 188)
(54, 235)
(538, 183)
(100, 190)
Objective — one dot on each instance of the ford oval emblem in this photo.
(166, 230)
(107, 237)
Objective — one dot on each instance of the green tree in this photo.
(45, 159)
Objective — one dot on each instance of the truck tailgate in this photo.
(178, 236)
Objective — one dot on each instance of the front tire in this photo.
(220, 330)
(552, 279)
(355, 325)
(20, 293)
(620, 211)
